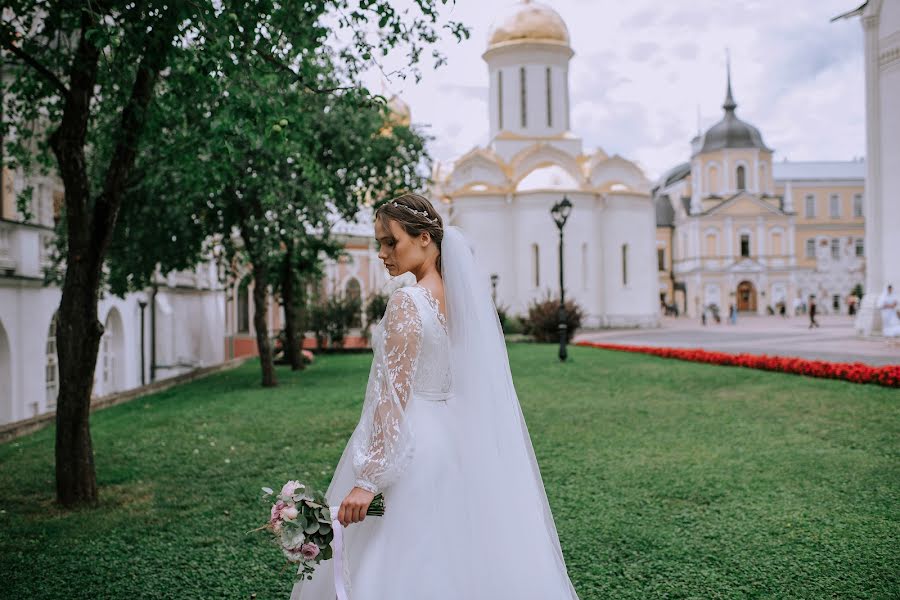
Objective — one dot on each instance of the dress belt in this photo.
(433, 396)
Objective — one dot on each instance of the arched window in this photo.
(745, 245)
(741, 178)
(243, 306)
(712, 178)
(624, 264)
(712, 245)
(549, 100)
(522, 97)
(776, 245)
(536, 265)
(51, 371)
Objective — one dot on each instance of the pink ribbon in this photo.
(338, 554)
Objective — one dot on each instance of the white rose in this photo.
(289, 513)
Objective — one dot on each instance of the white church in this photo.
(501, 195)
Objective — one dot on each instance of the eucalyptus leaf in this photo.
(311, 527)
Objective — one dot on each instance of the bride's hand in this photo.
(353, 508)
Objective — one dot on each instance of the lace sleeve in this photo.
(383, 441)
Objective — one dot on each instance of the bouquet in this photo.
(303, 524)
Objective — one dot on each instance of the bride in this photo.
(443, 438)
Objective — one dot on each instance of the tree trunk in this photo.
(89, 230)
(291, 294)
(260, 323)
(78, 340)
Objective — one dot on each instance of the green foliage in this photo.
(375, 309)
(542, 321)
(246, 92)
(666, 479)
(331, 317)
(510, 324)
(857, 291)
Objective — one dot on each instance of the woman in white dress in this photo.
(443, 438)
(889, 305)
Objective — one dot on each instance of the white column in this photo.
(788, 205)
(791, 248)
(869, 320)
(729, 240)
(725, 185)
(761, 244)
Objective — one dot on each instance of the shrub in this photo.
(375, 308)
(510, 324)
(332, 318)
(542, 322)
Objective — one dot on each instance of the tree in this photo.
(88, 77)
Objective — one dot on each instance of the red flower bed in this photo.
(888, 376)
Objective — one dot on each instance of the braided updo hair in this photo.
(415, 214)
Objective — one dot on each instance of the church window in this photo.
(522, 97)
(661, 259)
(745, 245)
(810, 248)
(243, 307)
(810, 206)
(860, 248)
(624, 264)
(777, 249)
(741, 178)
(52, 368)
(711, 245)
(834, 203)
(857, 205)
(549, 100)
(500, 99)
(763, 184)
(536, 265)
(713, 180)
(836, 249)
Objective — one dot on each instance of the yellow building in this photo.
(736, 228)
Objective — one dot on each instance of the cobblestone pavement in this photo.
(835, 340)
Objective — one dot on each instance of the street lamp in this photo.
(494, 279)
(560, 212)
(142, 302)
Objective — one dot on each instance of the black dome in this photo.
(731, 132)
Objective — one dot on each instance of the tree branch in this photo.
(153, 58)
(49, 75)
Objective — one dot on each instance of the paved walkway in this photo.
(835, 340)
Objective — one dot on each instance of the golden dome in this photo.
(530, 21)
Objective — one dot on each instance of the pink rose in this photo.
(275, 515)
(289, 513)
(289, 488)
(309, 551)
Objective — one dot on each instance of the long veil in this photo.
(504, 505)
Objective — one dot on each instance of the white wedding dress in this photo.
(442, 437)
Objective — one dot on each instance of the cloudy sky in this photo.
(644, 68)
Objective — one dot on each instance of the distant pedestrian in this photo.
(813, 308)
(703, 316)
(732, 314)
(890, 319)
(782, 309)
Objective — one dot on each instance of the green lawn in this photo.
(667, 480)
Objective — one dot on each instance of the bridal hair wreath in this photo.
(415, 214)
